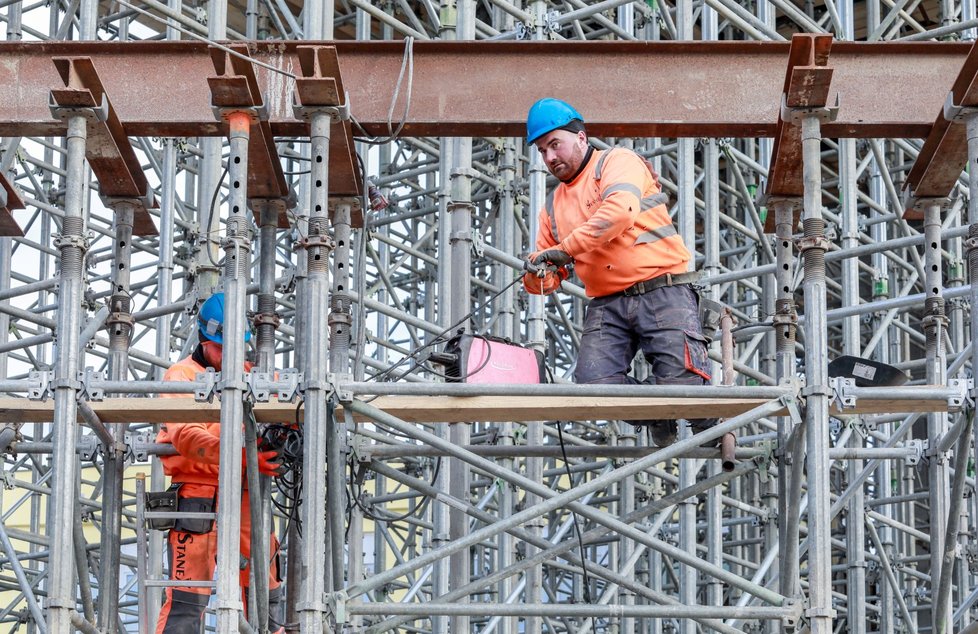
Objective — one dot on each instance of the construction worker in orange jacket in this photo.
(192, 544)
(607, 216)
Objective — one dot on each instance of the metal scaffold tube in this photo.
(311, 607)
(858, 514)
(340, 329)
(813, 246)
(72, 245)
(120, 324)
(237, 247)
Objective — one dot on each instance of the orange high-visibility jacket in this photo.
(198, 444)
(612, 219)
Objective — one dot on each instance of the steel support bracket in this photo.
(98, 112)
(918, 445)
(339, 384)
(817, 390)
(478, 244)
(138, 442)
(954, 112)
(40, 385)
(206, 393)
(289, 381)
(964, 396)
(824, 114)
(919, 204)
(89, 389)
(260, 385)
(336, 607)
(843, 395)
(89, 447)
(255, 113)
(360, 448)
(336, 114)
(791, 404)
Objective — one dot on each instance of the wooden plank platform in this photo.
(447, 409)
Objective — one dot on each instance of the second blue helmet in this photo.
(210, 320)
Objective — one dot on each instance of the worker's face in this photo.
(562, 152)
(212, 354)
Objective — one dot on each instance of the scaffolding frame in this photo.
(829, 519)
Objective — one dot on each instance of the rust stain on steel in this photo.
(9, 226)
(945, 151)
(806, 85)
(235, 87)
(485, 88)
(108, 150)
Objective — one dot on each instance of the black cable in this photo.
(210, 214)
(577, 527)
(356, 495)
(438, 338)
(461, 377)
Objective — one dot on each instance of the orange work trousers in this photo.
(192, 556)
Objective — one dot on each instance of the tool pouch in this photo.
(193, 525)
(162, 502)
(710, 313)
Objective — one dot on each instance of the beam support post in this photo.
(72, 245)
(237, 268)
(813, 246)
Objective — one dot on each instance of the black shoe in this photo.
(662, 432)
(698, 425)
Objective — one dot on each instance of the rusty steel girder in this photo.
(485, 88)
(806, 85)
(945, 151)
(691, 89)
(107, 149)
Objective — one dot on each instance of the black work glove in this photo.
(555, 257)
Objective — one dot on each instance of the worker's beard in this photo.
(566, 170)
(212, 354)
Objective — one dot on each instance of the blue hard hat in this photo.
(210, 320)
(548, 114)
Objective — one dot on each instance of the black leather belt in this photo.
(668, 279)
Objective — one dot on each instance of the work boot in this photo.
(698, 425)
(662, 432)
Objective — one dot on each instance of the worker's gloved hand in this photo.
(556, 257)
(546, 283)
(267, 464)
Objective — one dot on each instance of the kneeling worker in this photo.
(192, 543)
(607, 218)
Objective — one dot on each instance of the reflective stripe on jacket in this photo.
(612, 219)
